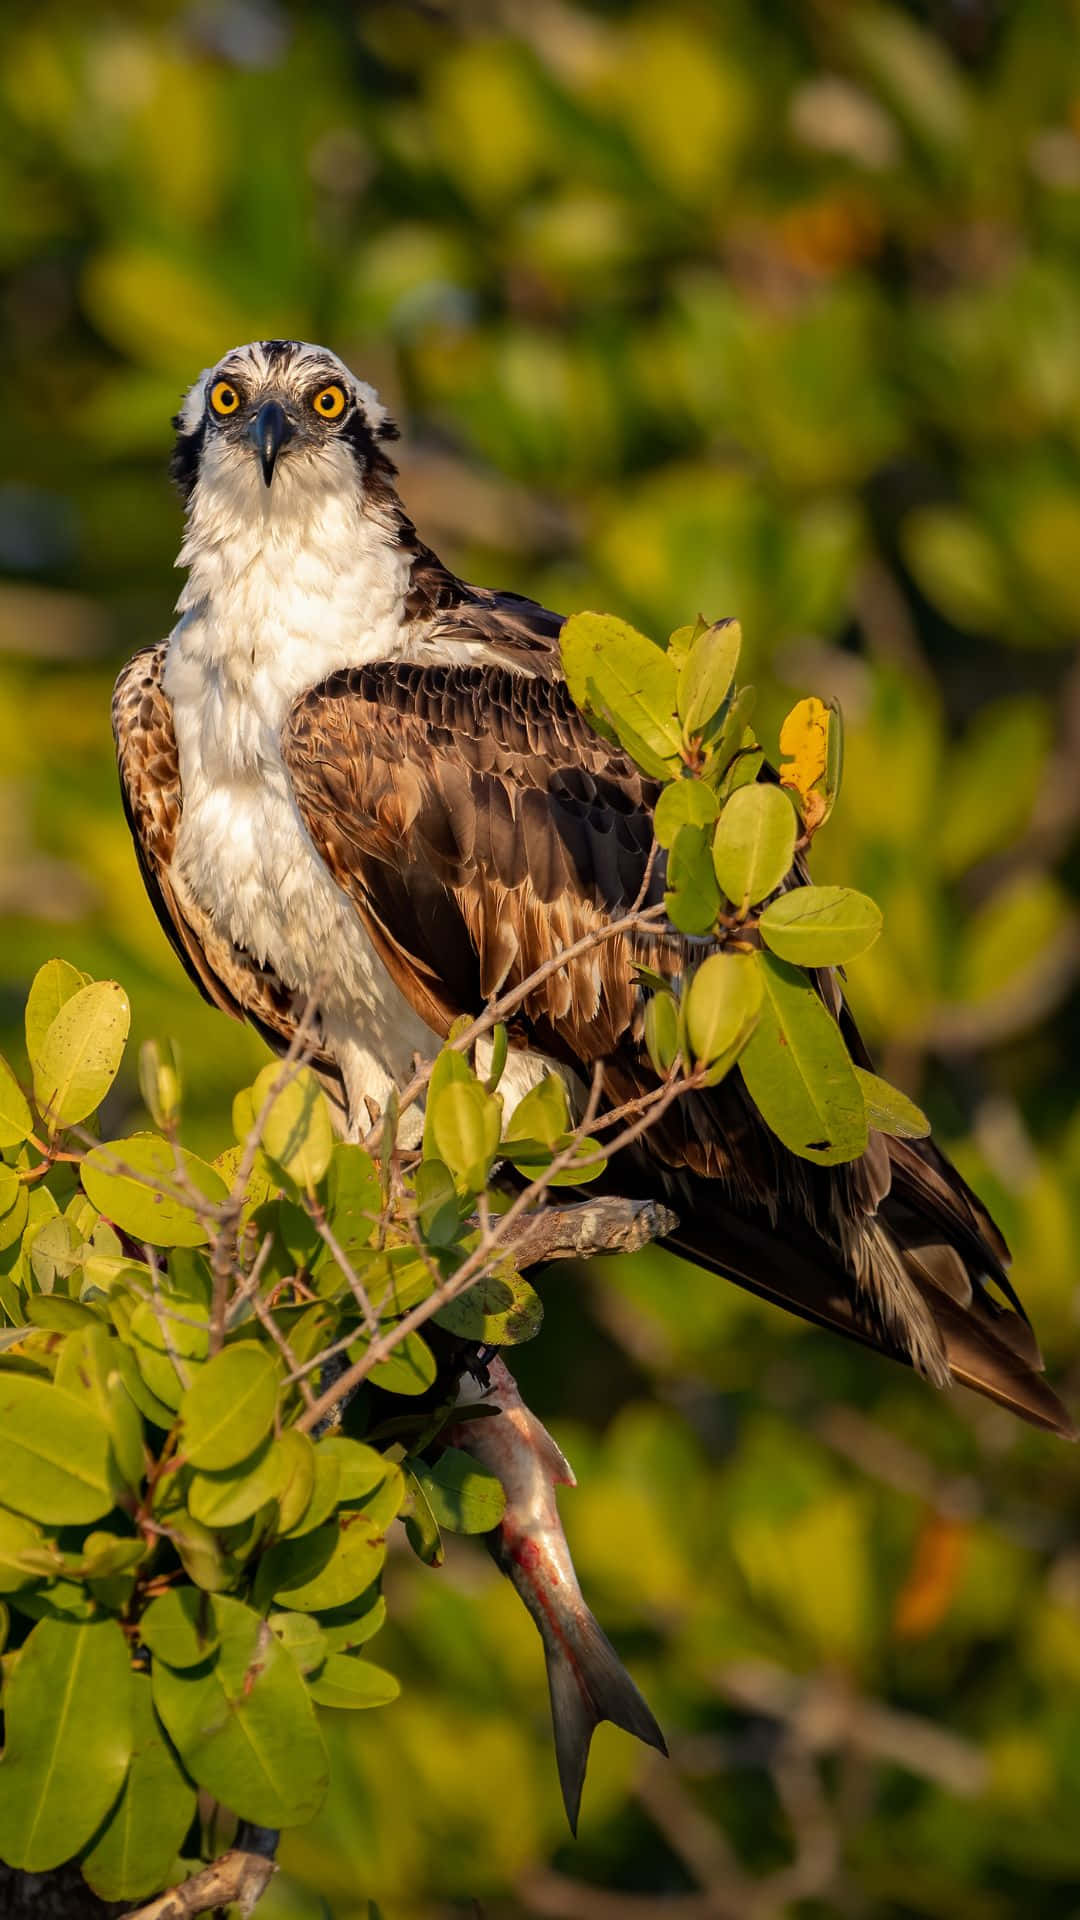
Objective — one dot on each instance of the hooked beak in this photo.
(268, 432)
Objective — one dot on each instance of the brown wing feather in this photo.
(480, 827)
(149, 770)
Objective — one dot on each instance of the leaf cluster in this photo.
(731, 836)
(194, 1512)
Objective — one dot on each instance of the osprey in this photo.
(349, 773)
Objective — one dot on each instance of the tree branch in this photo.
(238, 1878)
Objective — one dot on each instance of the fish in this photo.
(587, 1681)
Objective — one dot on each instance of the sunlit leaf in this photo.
(80, 1054)
(889, 1110)
(141, 1186)
(463, 1496)
(243, 1723)
(16, 1120)
(754, 843)
(229, 1408)
(142, 1836)
(798, 1072)
(683, 803)
(820, 926)
(68, 1740)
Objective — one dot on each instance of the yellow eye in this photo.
(330, 402)
(223, 397)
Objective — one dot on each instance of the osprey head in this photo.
(277, 408)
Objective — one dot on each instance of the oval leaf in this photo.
(466, 1123)
(662, 1030)
(723, 1002)
(229, 1408)
(53, 984)
(622, 679)
(243, 1723)
(297, 1134)
(357, 1551)
(81, 1052)
(68, 1739)
(181, 1627)
(501, 1310)
(706, 677)
(54, 1453)
(889, 1110)
(683, 803)
(462, 1495)
(133, 1183)
(134, 1852)
(692, 900)
(754, 843)
(16, 1120)
(343, 1681)
(798, 1072)
(820, 926)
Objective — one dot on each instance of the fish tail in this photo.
(588, 1683)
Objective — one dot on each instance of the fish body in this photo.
(586, 1679)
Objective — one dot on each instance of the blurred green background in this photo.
(767, 310)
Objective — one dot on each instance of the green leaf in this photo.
(462, 1495)
(229, 1408)
(421, 1526)
(17, 1537)
(354, 1551)
(754, 843)
(54, 1454)
(88, 1367)
(147, 1403)
(296, 1455)
(55, 1251)
(14, 1218)
(323, 1497)
(438, 1206)
(501, 1310)
(353, 1194)
(360, 1468)
(721, 1007)
(346, 1628)
(16, 1120)
(135, 1850)
(133, 1183)
(662, 1030)
(617, 676)
(202, 1556)
(168, 1349)
(820, 926)
(500, 1049)
(542, 1114)
(303, 1637)
(450, 1067)
(798, 1072)
(81, 1053)
(53, 984)
(243, 1723)
(683, 803)
(68, 1728)
(692, 900)
(889, 1110)
(225, 1499)
(343, 1681)
(705, 679)
(297, 1134)
(411, 1367)
(180, 1627)
(466, 1124)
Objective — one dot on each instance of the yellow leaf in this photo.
(804, 743)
